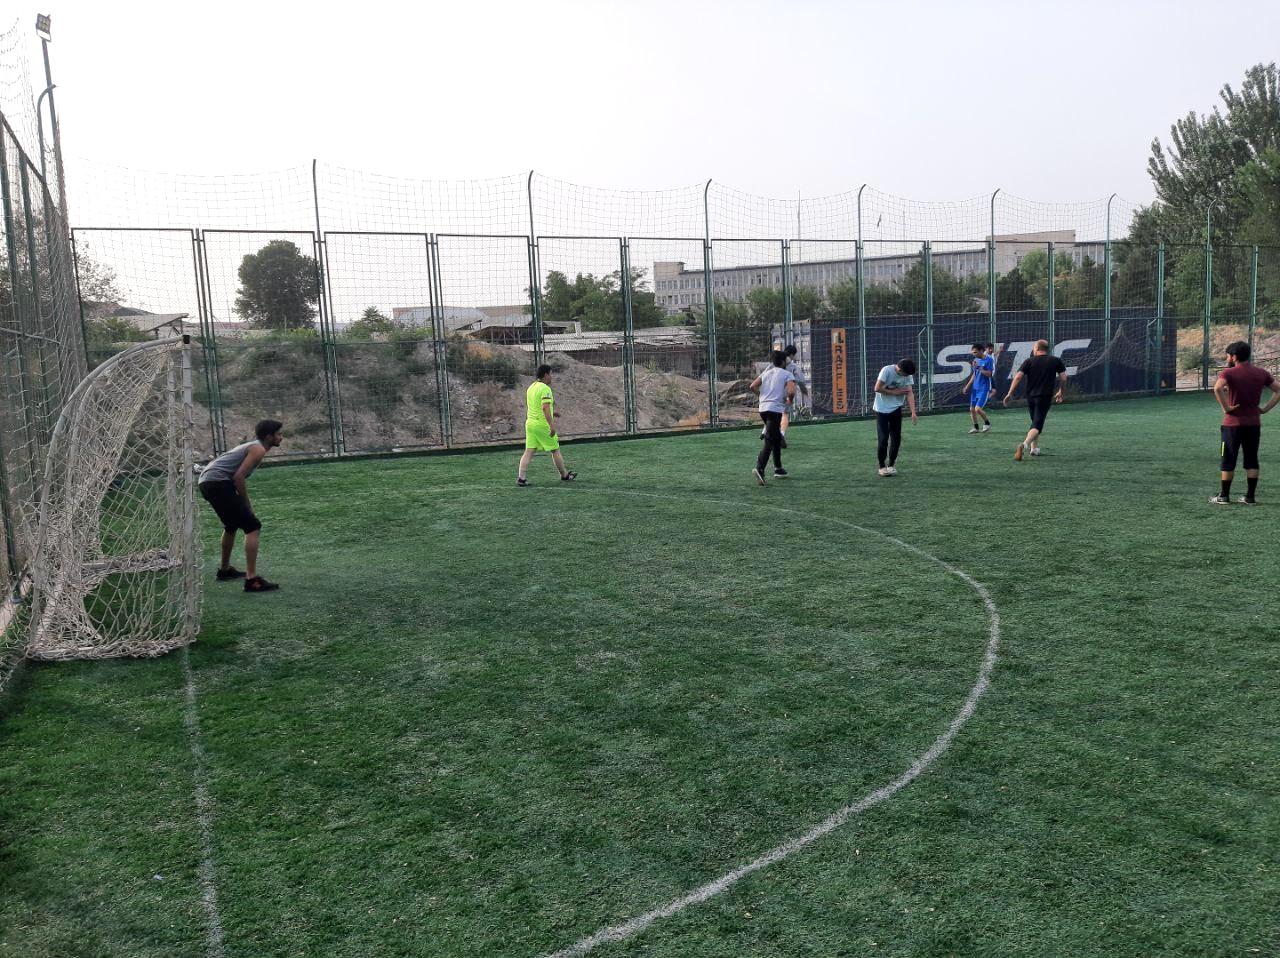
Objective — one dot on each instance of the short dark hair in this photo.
(543, 370)
(908, 366)
(991, 345)
(267, 427)
(979, 347)
(1240, 350)
(791, 349)
(778, 357)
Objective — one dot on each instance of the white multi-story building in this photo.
(677, 288)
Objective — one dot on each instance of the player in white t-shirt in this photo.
(776, 387)
(893, 388)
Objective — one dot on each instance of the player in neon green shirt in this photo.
(540, 428)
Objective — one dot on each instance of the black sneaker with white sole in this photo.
(522, 482)
(569, 477)
(779, 473)
(1246, 501)
(1220, 501)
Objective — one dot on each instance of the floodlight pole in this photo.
(42, 29)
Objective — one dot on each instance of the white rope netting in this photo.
(116, 568)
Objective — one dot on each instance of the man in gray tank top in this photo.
(223, 486)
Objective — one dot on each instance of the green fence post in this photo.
(535, 303)
(1051, 296)
(991, 290)
(15, 286)
(926, 368)
(788, 320)
(628, 341)
(1106, 321)
(212, 360)
(1160, 324)
(441, 349)
(709, 317)
(33, 263)
(328, 324)
(862, 330)
(1253, 298)
(1208, 302)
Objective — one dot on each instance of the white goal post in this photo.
(116, 564)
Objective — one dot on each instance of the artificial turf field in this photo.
(488, 721)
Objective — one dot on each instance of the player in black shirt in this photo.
(1041, 372)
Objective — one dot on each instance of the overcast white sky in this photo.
(930, 100)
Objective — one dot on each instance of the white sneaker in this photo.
(1035, 450)
(892, 471)
(759, 476)
(884, 471)
(986, 427)
(1220, 501)
(974, 430)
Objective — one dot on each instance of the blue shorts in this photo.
(978, 400)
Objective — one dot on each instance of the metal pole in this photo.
(864, 389)
(859, 270)
(926, 368)
(1106, 306)
(57, 133)
(991, 272)
(44, 175)
(628, 341)
(33, 264)
(709, 314)
(439, 341)
(217, 419)
(788, 320)
(328, 325)
(205, 322)
(1050, 302)
(1253, 298)
(1208, 296)
(1160, 321)
(708, 269)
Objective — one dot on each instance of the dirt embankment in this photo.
(389, 395)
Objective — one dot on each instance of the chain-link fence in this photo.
(364, 341)
(42, 355)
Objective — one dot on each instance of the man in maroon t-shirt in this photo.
(1239, 393)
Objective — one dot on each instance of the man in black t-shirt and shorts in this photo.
(1043, 371)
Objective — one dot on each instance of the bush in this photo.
(475, 363)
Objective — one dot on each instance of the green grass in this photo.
(485, 721)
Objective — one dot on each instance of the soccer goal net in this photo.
(115, 566)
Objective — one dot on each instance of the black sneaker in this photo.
(229, 573)
(259, 584)
(569, 477)
(779, 473)
(522, 482)
(1220, 501)
(1246, 501)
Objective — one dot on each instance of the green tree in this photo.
(101, 334)
(278, 288)
(1200, 167)
(1082, 288)
(769, 304)
(1012, 291)
(597, 301)
(372, 322)
(742, 338)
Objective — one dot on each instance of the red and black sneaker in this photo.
(229, 573)
(259, 584)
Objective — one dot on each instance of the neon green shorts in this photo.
(537, 435)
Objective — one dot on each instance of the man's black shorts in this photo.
(1038, 407)
(1237, 439)
(231, 509)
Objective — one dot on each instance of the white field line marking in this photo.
(204, 815)
(633, 926)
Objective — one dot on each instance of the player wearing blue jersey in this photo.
(978, 388)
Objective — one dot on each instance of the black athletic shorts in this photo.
(1237, 439)
(231, 509)
(1039, 407)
